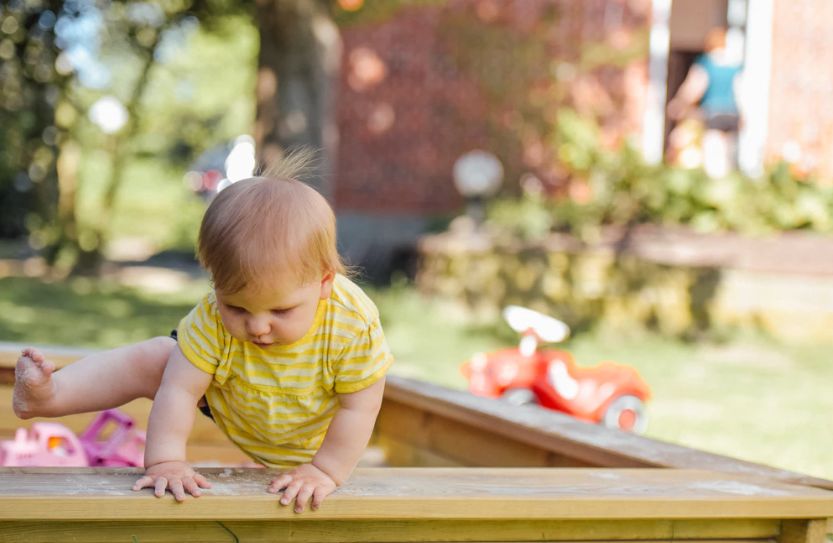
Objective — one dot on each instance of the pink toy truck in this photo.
(112, 440)
(44, 444)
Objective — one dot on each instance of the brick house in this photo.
(406, 110)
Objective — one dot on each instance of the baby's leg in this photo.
(96, 382)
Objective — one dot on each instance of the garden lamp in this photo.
(477, 176)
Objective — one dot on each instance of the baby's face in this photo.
(279, 313)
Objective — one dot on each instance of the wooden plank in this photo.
(402, 454)
(214, 455)
(108, 532)
(459, 442)
(803, 531)
(441, 418)
(299, 530)
(61, 356)
(567, 437)
(414, 493)
(489, 530)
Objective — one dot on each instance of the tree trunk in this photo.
(298, 66)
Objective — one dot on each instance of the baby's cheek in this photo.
(233, 325)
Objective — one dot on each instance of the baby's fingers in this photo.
(318, 497)
(144, 482)
(201, 481)
(303, 497)
(159, 487)
(290, 492)
(279, 483)
(191, 486)
(177, 489)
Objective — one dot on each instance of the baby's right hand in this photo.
(179, 477)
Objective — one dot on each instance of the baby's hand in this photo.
(176, 476)
(302, 483)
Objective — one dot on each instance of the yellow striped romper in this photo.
(276, 402)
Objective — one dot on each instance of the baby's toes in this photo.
(33, 371)
(36, 356)
(46, 366)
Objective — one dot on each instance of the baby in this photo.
(286, 354)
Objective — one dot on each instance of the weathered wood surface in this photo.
(414, 493)
(463, 429)
(61, 356)
(425, 424)
(337, 531)
(419, 504)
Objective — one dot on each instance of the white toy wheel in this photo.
(626, 413)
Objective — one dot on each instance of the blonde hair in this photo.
(270, 225)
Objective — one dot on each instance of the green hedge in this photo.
(604, 186)
(582, 287)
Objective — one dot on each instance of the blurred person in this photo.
(709, 92)
(285, 354)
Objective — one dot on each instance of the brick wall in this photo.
(801, 109)
(406, 111)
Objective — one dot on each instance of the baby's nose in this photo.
(257, 326)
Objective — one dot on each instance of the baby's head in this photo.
(269, 244)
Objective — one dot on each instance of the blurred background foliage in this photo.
(615, 187)
(62, 170)
(186, 73)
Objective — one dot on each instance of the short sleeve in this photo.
(363, 361)
(200, 336)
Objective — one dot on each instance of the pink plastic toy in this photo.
(44, 444)
(123, 446)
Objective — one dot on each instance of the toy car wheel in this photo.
(519, 396)
(626, 413)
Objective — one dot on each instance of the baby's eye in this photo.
(281, 311)
(235, 309)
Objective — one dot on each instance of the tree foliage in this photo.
(64, 58)
(615, 187)
(30, 86)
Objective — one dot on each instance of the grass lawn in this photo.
(748, 398)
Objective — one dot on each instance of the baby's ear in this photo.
(327, 284)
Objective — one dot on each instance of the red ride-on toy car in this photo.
(610, 394)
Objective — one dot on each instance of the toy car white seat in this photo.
(548, 329)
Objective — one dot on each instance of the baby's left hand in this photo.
(302, 483)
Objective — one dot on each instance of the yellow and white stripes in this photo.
(276, 403)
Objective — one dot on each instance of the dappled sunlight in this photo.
(155, 280)
(85, 312)
(17, 315)
(116, 308)
(599, 211)
(749, 397)
(730, 398)
(350, 5)
(381, 118)
(366, 69)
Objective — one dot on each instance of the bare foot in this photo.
(33, 384)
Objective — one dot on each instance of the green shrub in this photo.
(616, 187)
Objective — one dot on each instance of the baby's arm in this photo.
(170, 423)
(343, 445)
(349, 432)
